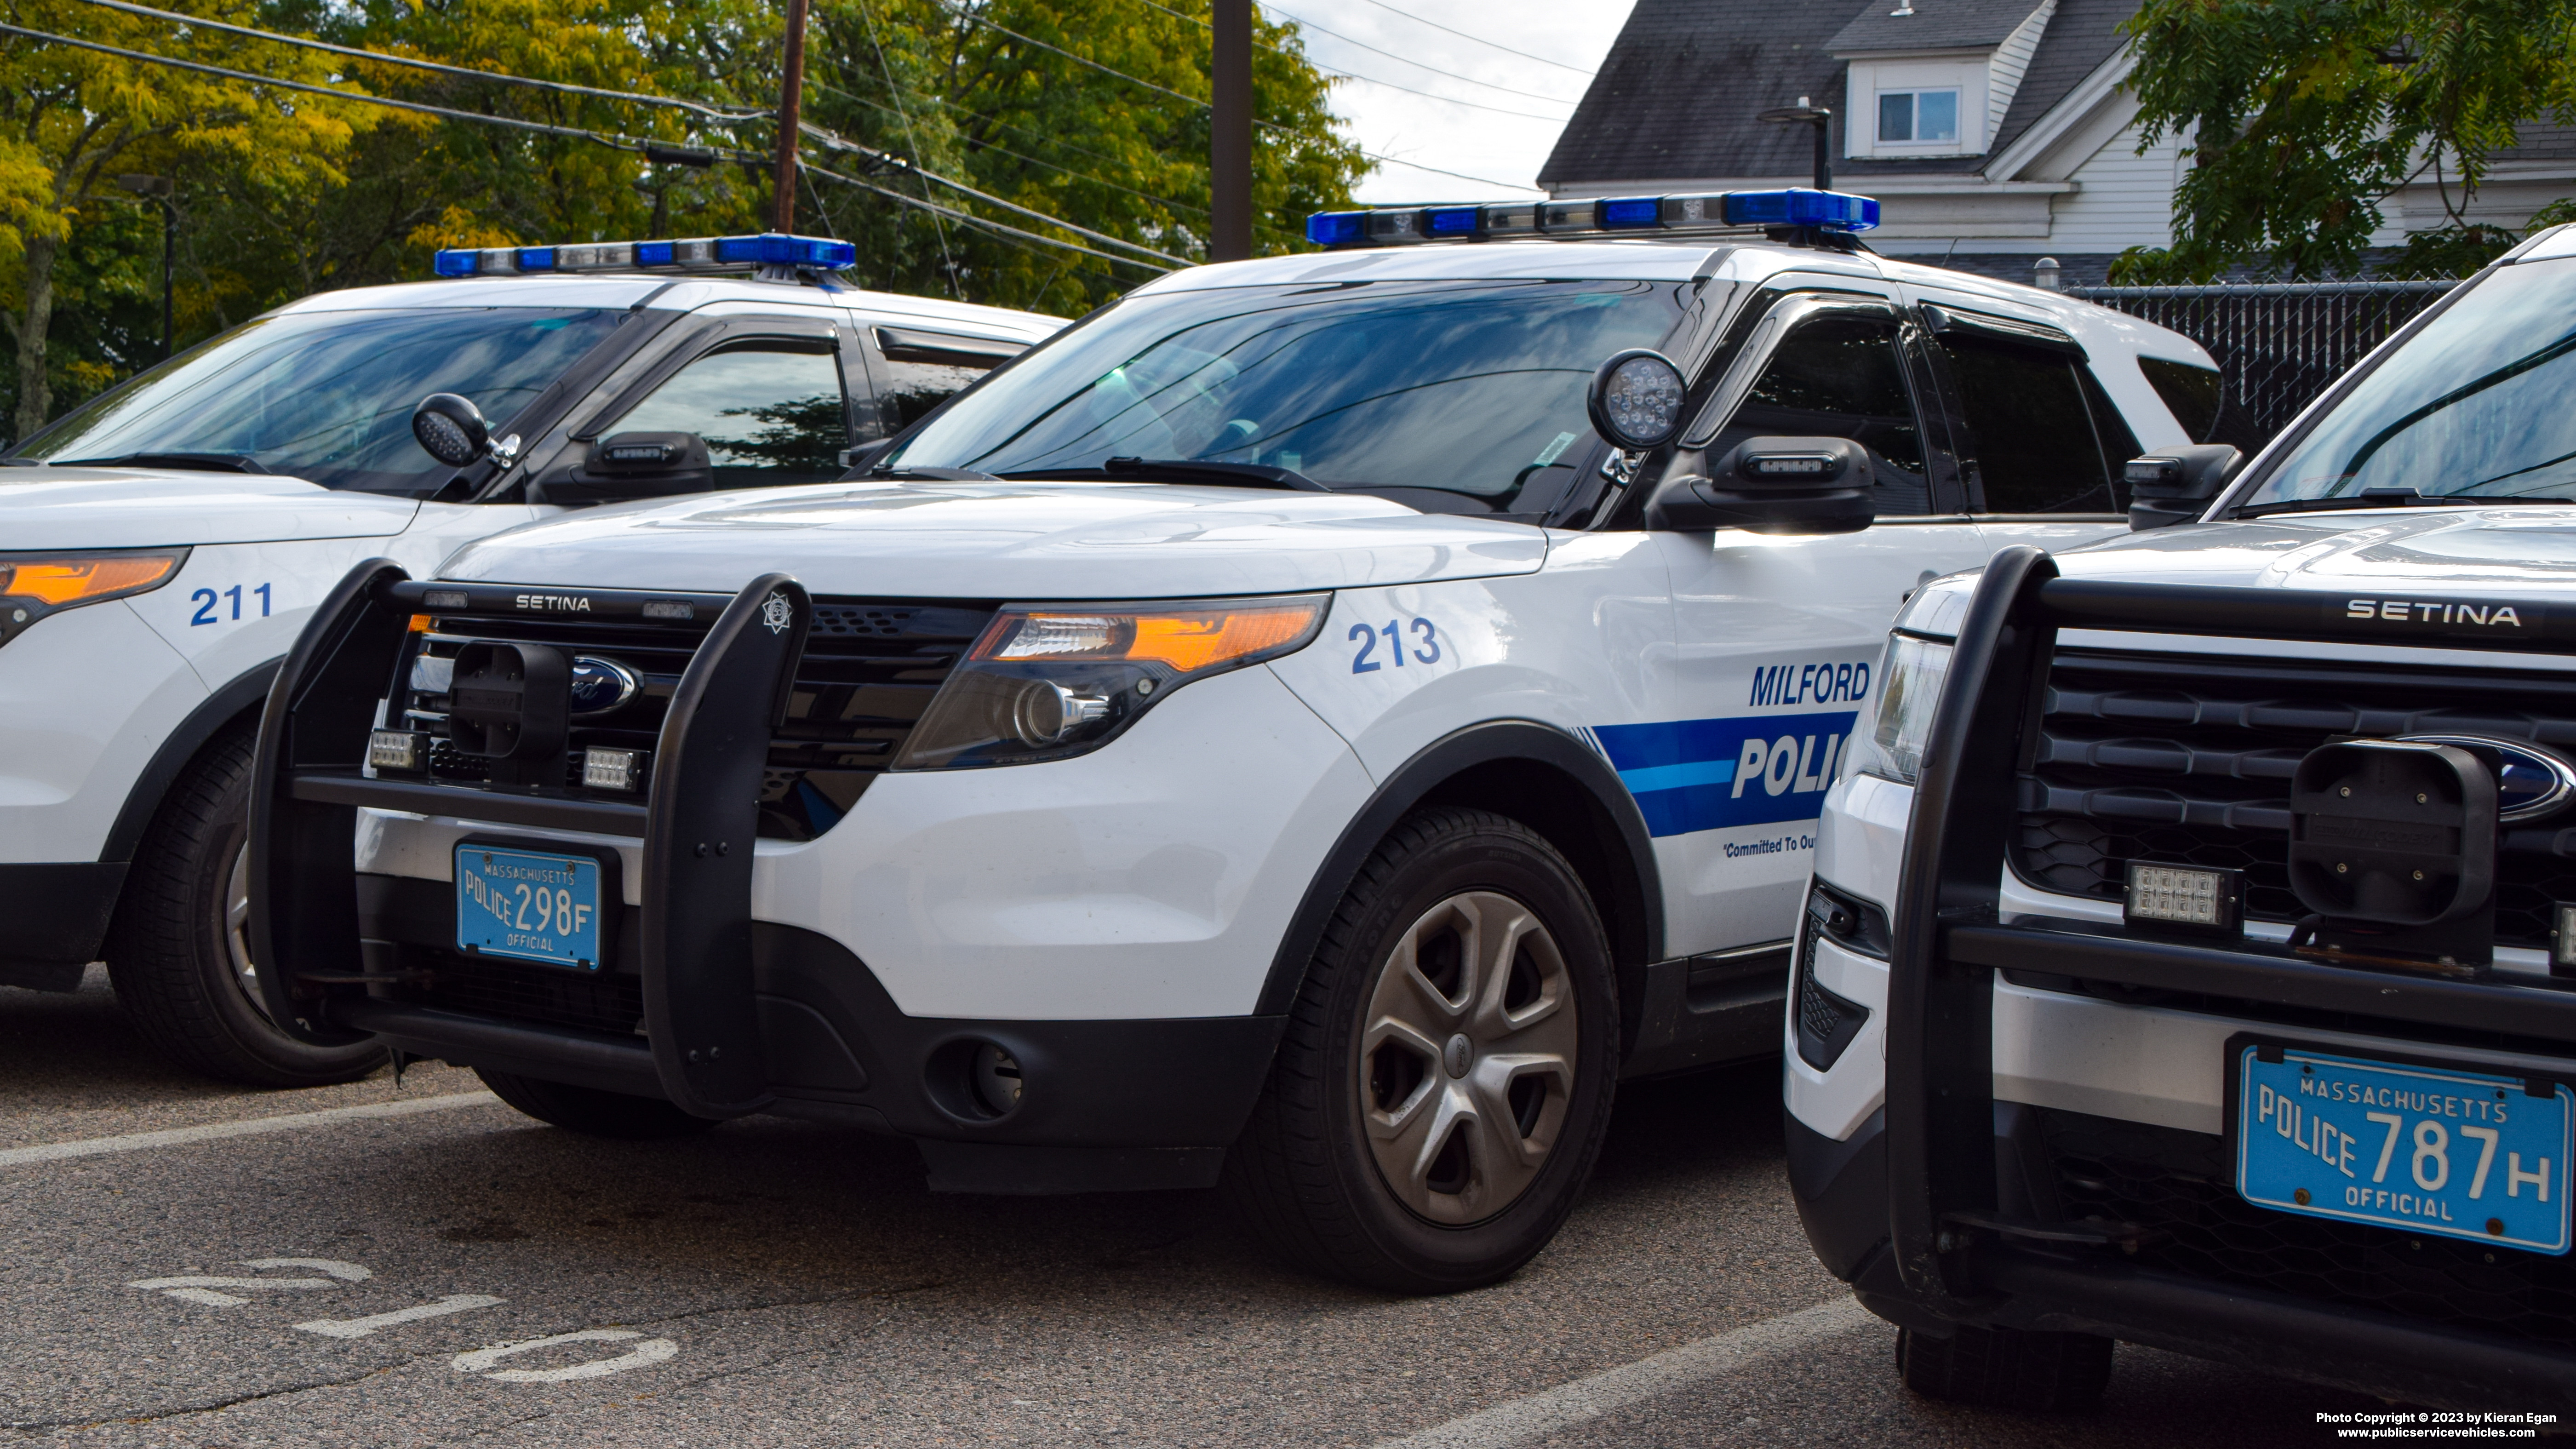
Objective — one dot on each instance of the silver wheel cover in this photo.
(1467, 1057)
(237, 932)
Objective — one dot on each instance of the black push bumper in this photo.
(718, 1013)
(1932, 1225)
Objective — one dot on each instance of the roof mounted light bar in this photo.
(1606, 215)
(696, 254)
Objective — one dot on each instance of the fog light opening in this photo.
(996, 1082)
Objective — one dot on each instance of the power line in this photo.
(1408, 60)
(1086, 60)
(1020, 156)
(1480, 40)
(912, 139)
(882, 159)
(567, 87)
(969, 217)
(360, 97)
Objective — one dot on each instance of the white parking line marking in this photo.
(1562, 1407)
(361, 1327)
(650, 1351)
(345, 1272)
(246, 1127)
(201, 1290)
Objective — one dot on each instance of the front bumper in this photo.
(58, 916)
(2002, 1214)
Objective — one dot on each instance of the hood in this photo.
(2437, 551)
(66, 508)
(1007, 541)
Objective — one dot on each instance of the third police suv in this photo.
(1317, 724)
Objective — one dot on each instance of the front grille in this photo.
(480, 986)
(869, 669)
(2178, 1185)
(2187, 761)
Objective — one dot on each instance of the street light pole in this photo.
(791, 106)
(1230, 132)
(159, 188)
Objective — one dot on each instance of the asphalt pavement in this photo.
(420, 1265)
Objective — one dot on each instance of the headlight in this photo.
(1047, 682)
(1910, 689)
(33, 585)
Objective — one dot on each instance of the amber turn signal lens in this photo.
(56, 582)
(1186, 639)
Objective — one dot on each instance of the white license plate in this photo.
(2425, 1148)
(529, 905)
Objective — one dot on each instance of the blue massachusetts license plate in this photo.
(2428, 1149)
(533, 906)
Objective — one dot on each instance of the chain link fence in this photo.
(2277, 344)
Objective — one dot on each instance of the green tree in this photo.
(2301, 117)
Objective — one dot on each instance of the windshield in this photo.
(1473, 388)
(327, 396)
(2475, 405)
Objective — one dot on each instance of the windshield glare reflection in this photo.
(327, 396)
(1473, 388)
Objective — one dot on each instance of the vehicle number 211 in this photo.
(211, 606)
(1418, 639)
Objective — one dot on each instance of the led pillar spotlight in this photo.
(508, 704)
(2184, 898)
(2392, 849)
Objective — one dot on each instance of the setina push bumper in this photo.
(541, 959)
(2390, 1216)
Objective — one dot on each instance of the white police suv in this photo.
(2190, 952)
(161, 546)
(1323, 720)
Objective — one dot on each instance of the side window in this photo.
(1837, 376)
(2030, 413)
(2197, 397)
(771, 413)
(924, 368)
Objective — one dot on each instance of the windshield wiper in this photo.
(1187, 470)
(202, 462)
(935, 475)
(2391, 498)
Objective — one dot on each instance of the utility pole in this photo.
(791, 110)
(1230, 133)
(160, 189)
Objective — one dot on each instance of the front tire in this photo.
(179, 955)
(1447, 1071)
(590, 1111)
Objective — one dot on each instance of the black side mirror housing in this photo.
(1772, 485)
(637, 465)
(2175, 485)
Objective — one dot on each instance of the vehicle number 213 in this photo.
(218, 608)
(1417, 639)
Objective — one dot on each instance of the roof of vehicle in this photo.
(675, 293)
(1671, 259)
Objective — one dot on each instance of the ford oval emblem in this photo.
(2530, 782)
(600, 685)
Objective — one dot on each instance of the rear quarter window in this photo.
(2198, 397)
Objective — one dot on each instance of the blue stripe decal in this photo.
(1710, 774)
(1673, 777)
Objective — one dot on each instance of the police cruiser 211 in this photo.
(1319, 721)
(2190, 954)
(161, 546)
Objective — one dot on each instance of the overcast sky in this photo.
(1529, 99)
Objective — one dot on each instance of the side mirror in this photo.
(2176, 485)
(1636, 400)
(1772, 485)
(639, 464)
(451, 429)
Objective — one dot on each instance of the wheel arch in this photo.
(1544, 777)
(212, 716)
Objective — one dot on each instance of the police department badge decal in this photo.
(777, 613)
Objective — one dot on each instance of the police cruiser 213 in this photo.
(1318, 722)
(161, 546)
(2191, 958)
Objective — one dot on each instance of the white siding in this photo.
(2123, 199)
(2011, 60)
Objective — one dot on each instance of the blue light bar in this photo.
(698, 254)
(1703, 211)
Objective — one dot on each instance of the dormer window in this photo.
(1916, 117)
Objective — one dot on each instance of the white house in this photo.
(1993, 132)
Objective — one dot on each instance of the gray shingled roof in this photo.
(1678, 93)
(1934, 25)
(2080, 36)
